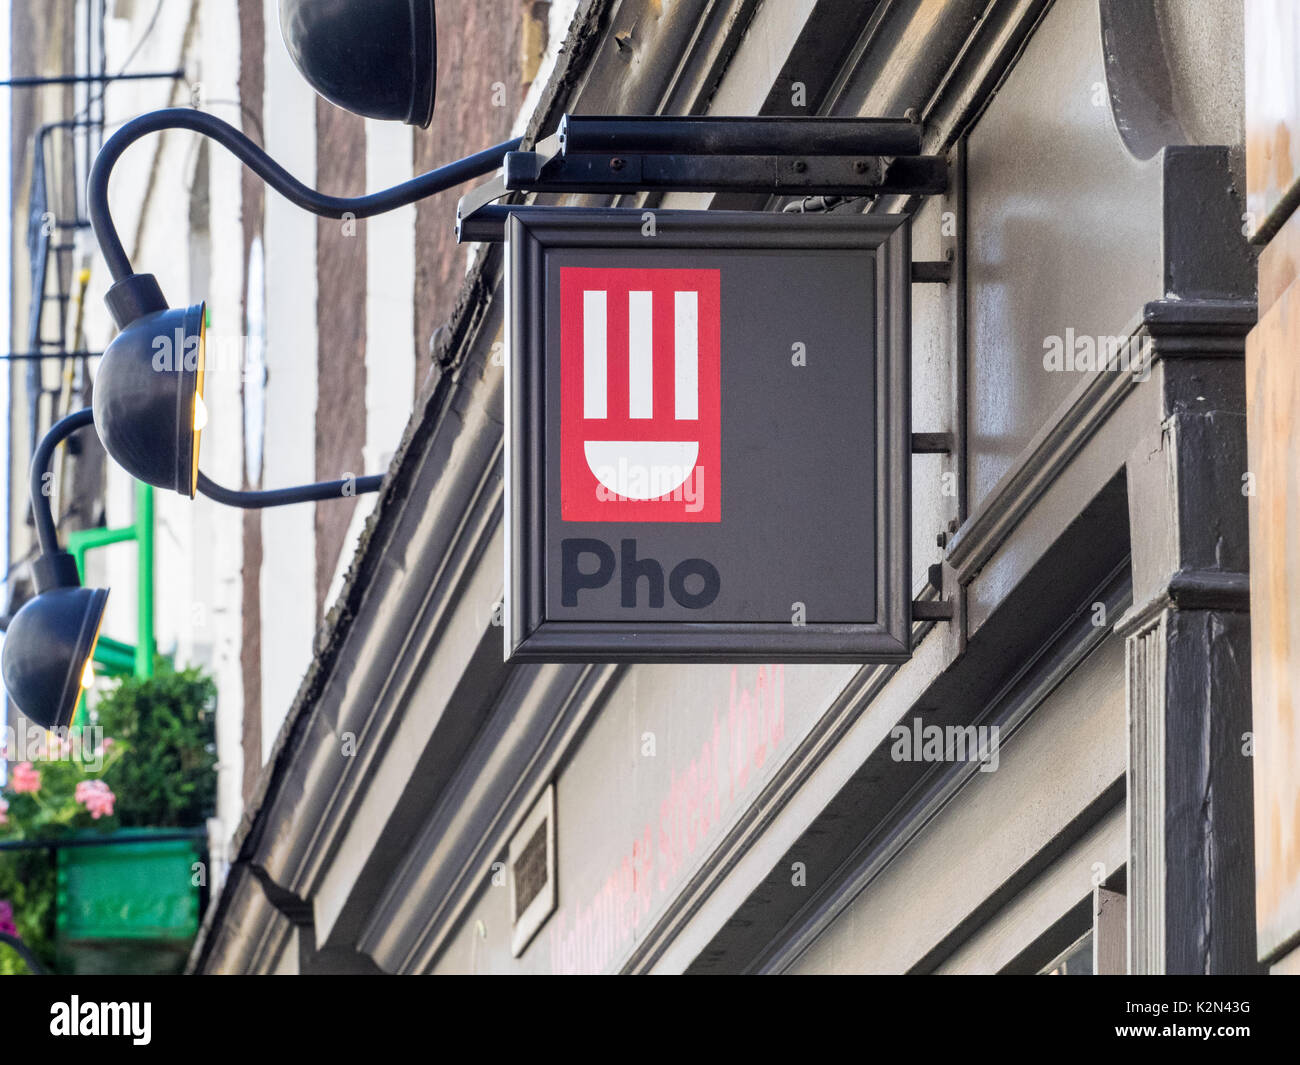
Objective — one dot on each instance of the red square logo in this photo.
(640, 394)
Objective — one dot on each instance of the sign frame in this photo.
(531, 233)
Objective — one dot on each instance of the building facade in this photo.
(426, 807)
(318, 331)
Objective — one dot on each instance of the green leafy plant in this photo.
(149, 761)
(166, 722)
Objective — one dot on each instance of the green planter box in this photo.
(129, 905)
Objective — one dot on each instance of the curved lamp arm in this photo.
(24, 952)
(281, 497)
(43, 515)
(293, 190)
(46, 532)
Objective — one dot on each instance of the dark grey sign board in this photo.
(707, 436)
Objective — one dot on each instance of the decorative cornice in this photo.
(1190, 589)
(1199, 327)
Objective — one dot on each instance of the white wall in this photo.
(288, 596)
(198, 545)
(216, 632)
(390, 322)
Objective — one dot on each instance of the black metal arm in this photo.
(281, 497)
(780, 156)
(46, 531)
(268, 170)
(43, 515)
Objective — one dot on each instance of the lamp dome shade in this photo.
(376, 58)
(148, 397)
(47, 647)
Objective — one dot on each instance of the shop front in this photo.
(1048, 777)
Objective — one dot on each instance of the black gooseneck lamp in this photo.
(377, 58)
(50, 642)
(148, 401)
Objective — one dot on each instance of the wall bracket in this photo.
(663, 153)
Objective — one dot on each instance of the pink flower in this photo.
(7, 918)
(26, 778)
(4, 811)
(97, 796)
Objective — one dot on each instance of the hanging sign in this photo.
(707, 436)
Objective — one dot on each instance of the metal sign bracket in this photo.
(774, 156)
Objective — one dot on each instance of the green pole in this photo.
(84, 540)
(113, 656)
(142, 532)
(144, 648)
